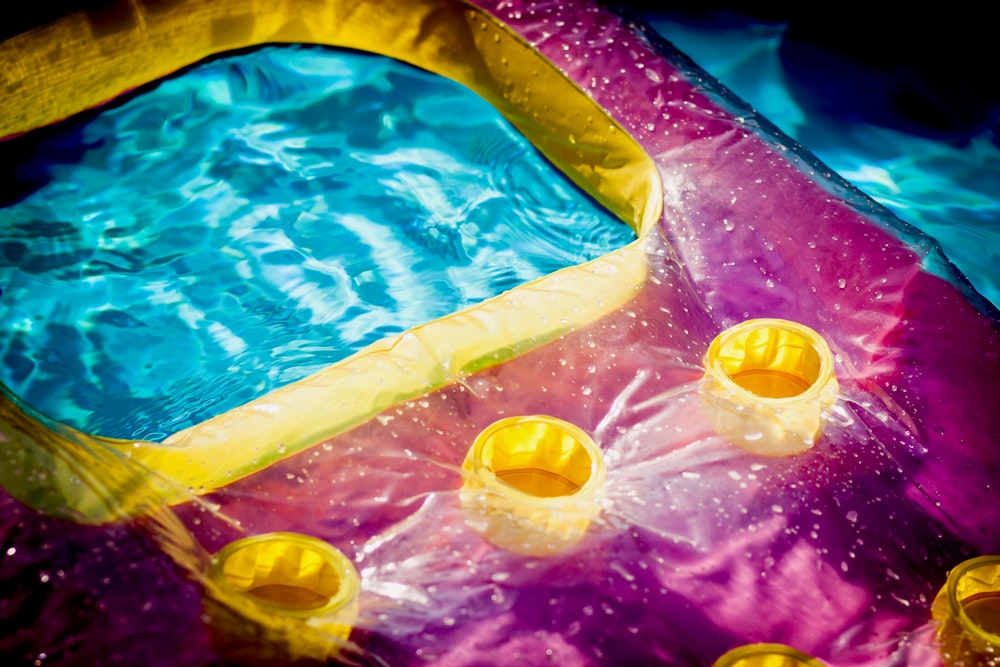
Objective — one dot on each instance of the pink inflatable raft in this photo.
(764, 433)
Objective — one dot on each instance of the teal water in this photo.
(949, 191)
(257, 218)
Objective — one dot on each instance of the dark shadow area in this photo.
(930, 74)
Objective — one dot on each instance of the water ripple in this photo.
(257, 218)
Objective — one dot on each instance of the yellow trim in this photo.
(766, 655)
(62, 472)
(963, 637)
(281, 598)
(532, 484)
(769, 385)
(88, 58)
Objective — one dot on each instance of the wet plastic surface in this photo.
(700, 546)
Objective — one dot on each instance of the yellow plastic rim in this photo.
(532, 484)
(536, 458)
(768, 386)
(287, 574)
(973, 590)
(771, 360)
(766, 655)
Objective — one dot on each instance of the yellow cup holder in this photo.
(532, 484)
(281, 597)
(967, 610)
(767, 385)
(766, 655)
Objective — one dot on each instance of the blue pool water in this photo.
(257, 218)
(948, 189)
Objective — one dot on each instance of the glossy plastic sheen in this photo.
(279, 597)
(766, 655)
(967, 610)
(532, 484)
(768, 384)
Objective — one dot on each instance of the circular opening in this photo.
(766, 655)
(771, 359)
(538, 456)
(287, 572)
(974, 595)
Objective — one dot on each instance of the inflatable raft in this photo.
(765, 432)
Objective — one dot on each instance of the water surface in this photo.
(257, 218)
